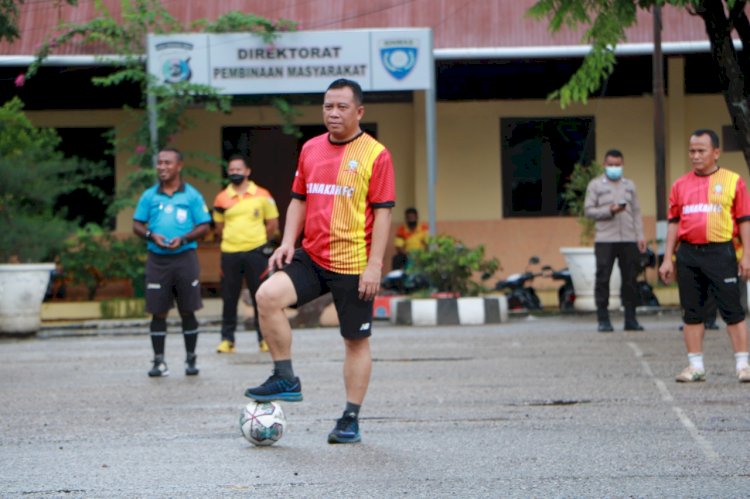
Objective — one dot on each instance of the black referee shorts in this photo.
(311, 281)
(709, 268)
(170, 278)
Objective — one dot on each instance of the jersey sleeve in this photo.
(199, 209)
(299, 187)
(741, 202)
(382, 189)
(141, 209)
(270, 210)
(218, 210)
(674, 209)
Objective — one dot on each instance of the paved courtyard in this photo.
(536, 407)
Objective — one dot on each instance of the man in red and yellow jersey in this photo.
(708, 207)
(410, 236)
(342, 196)
(246, 218)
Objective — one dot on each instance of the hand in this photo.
(642, 245)
(281, 257)
(369, 282)
(744, 267)
(666, 271)
(616, 208)
(160, 240)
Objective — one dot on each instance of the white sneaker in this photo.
(691, 375)
(744, 374)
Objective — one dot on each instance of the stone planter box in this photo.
(449, 311)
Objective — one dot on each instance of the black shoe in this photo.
(633, 326)
(160, 368)
(346, 430)
(276, 388)
(605, 327)
(190, 369)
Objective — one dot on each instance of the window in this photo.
(538, 155)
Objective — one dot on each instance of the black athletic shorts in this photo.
(170, 278)
(311, 281)
(709, 268)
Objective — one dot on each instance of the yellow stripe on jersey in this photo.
(347, 244)
(721, 192)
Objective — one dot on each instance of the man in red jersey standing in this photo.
(342, 196)
(707, 208)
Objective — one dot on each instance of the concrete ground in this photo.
(537, 407)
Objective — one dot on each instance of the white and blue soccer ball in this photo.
(262, 423)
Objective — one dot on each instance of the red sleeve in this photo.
(674, 208)
(382, 189)
(299, 187)
(741, 202)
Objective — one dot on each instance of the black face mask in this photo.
(236, 178)
(411, 225)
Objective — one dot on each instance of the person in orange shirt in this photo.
(410, 235)
(246, 218)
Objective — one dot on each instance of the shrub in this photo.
(449, 266)
(575, 197)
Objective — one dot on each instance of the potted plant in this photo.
(33, 176)
(580, 259)
(451, 294)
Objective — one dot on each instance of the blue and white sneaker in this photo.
(276, 388)
(346, 430)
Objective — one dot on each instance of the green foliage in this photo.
(449, 266)
(33, 177)
(95, 255)
(574, 196)
(125, 38)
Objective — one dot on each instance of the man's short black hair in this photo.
(359, 97)
(615, 153)
(713, 135)
(174, 150)
(239, 156)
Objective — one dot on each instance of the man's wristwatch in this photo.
(147, 235)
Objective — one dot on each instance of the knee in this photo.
(269, 298)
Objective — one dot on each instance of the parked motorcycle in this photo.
(518, 290)
(646, 296)
(566, 295)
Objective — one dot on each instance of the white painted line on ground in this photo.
(666, 396)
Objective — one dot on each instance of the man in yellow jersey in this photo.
(246, 218)
(708, 207)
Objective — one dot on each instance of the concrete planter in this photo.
(22, 288)
(449, 311)
(582, 264)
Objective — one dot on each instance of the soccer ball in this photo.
(262, 423)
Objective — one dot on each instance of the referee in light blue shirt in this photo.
(172, 216)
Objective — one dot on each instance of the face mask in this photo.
(236, 178)
(613, 172)
(411, 225)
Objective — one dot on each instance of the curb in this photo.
(450, 311)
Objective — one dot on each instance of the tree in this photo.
(606, 22)
(9, 18)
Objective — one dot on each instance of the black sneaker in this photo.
(160, 367)
(276, 388)
(190, 369)
(605, 327)
(346, 430)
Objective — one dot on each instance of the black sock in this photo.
(191, 339)
(283, 369)
(352, 409)
(158, 329)
(157, 342)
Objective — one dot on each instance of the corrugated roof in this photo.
(455, 23)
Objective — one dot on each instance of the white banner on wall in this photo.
(298, 62)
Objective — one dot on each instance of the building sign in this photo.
(298, 62)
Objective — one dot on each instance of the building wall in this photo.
(469, 191)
